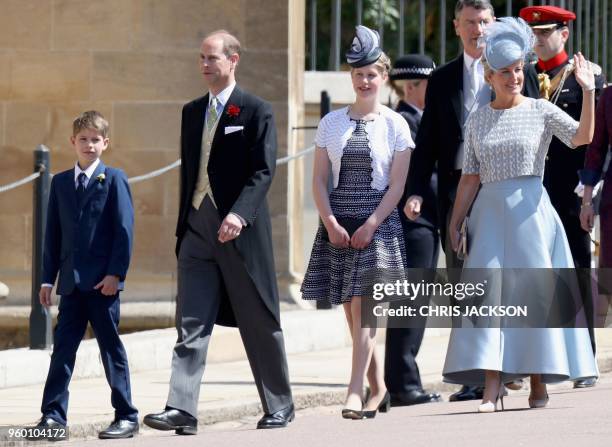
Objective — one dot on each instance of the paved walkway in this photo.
(573, 417)
(228, 394)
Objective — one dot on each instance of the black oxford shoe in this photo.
(119, 429)
(172, 419)
(277, 420)
(59, 431)
(467, 393)
(414, 397)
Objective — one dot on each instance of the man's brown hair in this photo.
(231, 45)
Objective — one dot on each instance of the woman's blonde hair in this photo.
(398, 87)
(488, 71)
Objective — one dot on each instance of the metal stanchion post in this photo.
(325, 109)
(325, 103)
(40, 316)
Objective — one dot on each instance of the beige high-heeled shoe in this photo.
(491, 407)
(538, 403)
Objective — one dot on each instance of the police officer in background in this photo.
(558, 84)
(408, 78)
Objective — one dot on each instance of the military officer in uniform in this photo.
(558, 84)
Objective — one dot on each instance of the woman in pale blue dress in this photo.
(513, 224)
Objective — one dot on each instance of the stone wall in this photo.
(137, 62)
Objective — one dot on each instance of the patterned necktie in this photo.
(475, 76)
(211, 115)
(80, 191)
(472, 91)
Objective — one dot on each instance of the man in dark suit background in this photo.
(408, 77)
(455, 90)
(226, 271)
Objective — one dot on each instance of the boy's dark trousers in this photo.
(75, 311)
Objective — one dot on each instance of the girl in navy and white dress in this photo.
(367, 146)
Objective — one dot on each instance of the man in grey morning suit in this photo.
(226, 269)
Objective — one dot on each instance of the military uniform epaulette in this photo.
(551, 88)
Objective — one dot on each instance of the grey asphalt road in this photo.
(574, 418)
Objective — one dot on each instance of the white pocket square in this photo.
(232, 129)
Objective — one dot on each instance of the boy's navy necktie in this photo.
(80, 191)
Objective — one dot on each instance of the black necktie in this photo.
(80, 191)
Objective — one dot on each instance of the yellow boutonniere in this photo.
(101, 178)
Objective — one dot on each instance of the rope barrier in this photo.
(156, 173)
(152, 174)
(287, 159)
(18, 183)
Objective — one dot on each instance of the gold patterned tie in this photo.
(211, 115)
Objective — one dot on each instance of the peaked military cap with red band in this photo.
(543, 17)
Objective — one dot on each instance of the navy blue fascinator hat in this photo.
(365, 48)
(506, 41)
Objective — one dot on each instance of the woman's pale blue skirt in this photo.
(513, 224)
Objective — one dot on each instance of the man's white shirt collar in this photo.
(467, 63)
(88, 172)
(223, 95)
(419, 110)
(469, 60)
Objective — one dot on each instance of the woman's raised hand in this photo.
(583, 71)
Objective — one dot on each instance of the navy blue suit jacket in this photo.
(85, 242)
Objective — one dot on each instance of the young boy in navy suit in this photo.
(88, 242)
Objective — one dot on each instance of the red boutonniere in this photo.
(233, 110)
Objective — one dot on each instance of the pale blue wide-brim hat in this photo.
(507, 41)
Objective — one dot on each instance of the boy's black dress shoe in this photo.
(414, 397)
(467, 393)
(119, 429)
(278, 419)
(46, 423)
(172, 419)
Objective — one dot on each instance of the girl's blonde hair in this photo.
(383, 63)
